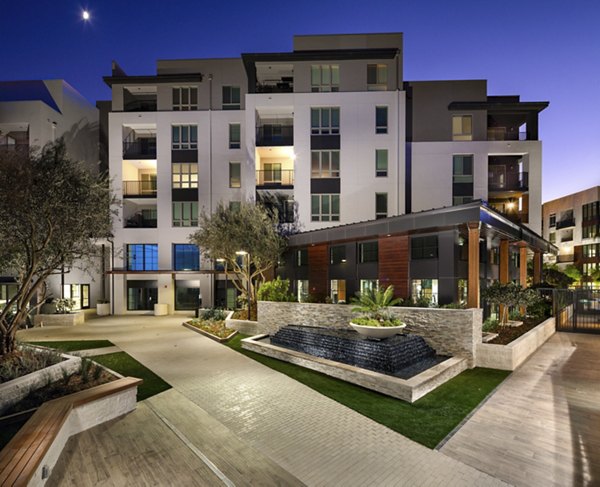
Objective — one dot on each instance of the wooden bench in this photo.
(21, 458)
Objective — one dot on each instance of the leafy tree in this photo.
(276, 290)
(507, 296)
(573, 272)
(52, 212)
(250, 229)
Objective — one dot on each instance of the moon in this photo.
(85, 15)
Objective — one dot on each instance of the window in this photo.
(552, 237)
(381, 120)
(424, 247)
(325, 77)
(589, 268)
(337, 254)
(301, 258)
(325, 121)
(590, 211)
(234, 136)
(552, 220)
(141, 295)
(79, 293)
(376, 77)
(184, 137)
(231, 97)
(235, 175)
(462, 179)
(425, 289)
(463, 290)
(337, 291)
(7, 292)
(185, 213)
(368, 252)
(185, 175)
(381, 163)
(325, 164)
(325, 207)
(590, 231)
(302, 290)
(591, 251)
(186, 257)
(566, 236)
(462, 127)
(235, 205)
(381, 205)
(187, 295)
(185, 98)
(368, 285)
(495, 255)
(142, 257)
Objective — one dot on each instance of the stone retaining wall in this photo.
(66, 319)
(453, 332)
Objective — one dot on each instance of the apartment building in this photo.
(331, 133)
(572, 222)
(33, 113)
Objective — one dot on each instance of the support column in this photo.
(473, 282)
(537, 267)
(523, 266)
(504, 262)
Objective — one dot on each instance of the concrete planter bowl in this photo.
(378, 332)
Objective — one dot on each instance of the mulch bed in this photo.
(507, 334)
(215, 328)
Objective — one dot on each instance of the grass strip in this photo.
(75, 345)
(426, 421)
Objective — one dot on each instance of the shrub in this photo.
(212, 314)
(24, 361)
(489, 325)
(454, 306)
(277, 290)
(64, 306)
(372, 307)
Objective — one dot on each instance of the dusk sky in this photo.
(543, 51)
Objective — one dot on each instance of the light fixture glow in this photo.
(241, 252)
(85, 15)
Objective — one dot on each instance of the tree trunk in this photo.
(7, 344)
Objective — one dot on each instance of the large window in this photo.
(325, 77)
(141, 295)
(325, 164)
(185, 213)
(424, 247)
(231, 97)
(79, 293)
(381, 163)
(462, 127)
(302, 290)
(142, 257)
(187, 295)
(185, 98)
(368, 252)
(235, 175)
(184, 175)
(425, 289)
(462, 179)
(377, 77)
(337, 290)
(591, 251)
(337, 254)
(7, 292)
(369, 285)
(381, 120)
(325, 121)
(590, 231)
(301, 258)
(325, 207)
(184, 137)
(234, 135)
(186, 257)
(590, 211)
(381, 205)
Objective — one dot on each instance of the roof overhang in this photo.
(500, 107)
(160, 78)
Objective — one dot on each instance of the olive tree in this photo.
(507, 296)
(52, 212)
(229, 232)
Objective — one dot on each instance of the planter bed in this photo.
(206, 333)
(66, 319)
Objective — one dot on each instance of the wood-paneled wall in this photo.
(318, 269)
(393, 264)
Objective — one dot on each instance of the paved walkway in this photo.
(542, 427)
(315, 439)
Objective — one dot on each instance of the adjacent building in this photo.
(572, 222)
(330, 132)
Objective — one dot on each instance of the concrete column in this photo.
(537, 267)
(473, 282)
(523, 266)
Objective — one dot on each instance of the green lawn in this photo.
(74, 345)
(426, 421)
(126, 365)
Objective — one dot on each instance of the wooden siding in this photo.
(318, 269)
(393, 264)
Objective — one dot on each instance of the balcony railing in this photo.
(140, 106)
(14, 147)
(139, 189)
(274, 135)
(565, 223)
(274, 178)
(139, 221)
(284, 85)
(140, 149)
(512, 182)
(565, 258)
(503, 133)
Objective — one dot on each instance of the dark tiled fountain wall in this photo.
(454, 332)
(387, 356)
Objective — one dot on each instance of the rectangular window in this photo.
(590, 211)
(7, 292)
(325, 121)
(79, 293)
(235, 206)
(552, 237)
(381, 205)
(301, 258)
(186, 257)
(337, 254)
(184, 175)
(235, 175)
(325, 77)
(462, 127)
(325, 207)
(141, 295)
(325, 164)
(185, 213)
(381, 163)
(589, 268)
(337, 290)
(142, 257)
(368, 252)
(231, 97)
(376, 77)
(462, 179)
(424, 247)
(184, 137)
(590, 231)
(591, 251)
(234, 135)
(425, 289)
(381, 120)
(463, 289)
(368, 285)
(302, 290)
(552, 220)
(185, 98)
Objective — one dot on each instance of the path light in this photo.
(243, 252)
(85, 15)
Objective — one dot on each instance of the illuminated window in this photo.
(234, 136)
(325, 77)
(186, 257)
(184, 175)
(337, 290)
(377, 77)
(462, 127)
(142, 257)
(325, 164)
(425, 289)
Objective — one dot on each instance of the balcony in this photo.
(274, 135)
(274, 178)
(562, 258)
(283, 85)
(509, 182)
(505, 133)
(139, 189)
(565, 223)
(140, 106)
(6, 147)
(144, 148)
(140, 221)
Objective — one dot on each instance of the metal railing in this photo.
(565, 223)
(14, 147)
(504, 133)
(140, 106)
(144, 189)
(274, 177)
(139, 221)
(140, 149)
(275, 86)
(512, 182)
(274, 135)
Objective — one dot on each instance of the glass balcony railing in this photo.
(139, 189)
(565, 223)
(273, 178)
(274, 135)
(509, 182)
(140, 221)
(140, 149)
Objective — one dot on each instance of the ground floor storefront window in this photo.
(187, 295)
(79, 293)
(142, 295)
(425, 288)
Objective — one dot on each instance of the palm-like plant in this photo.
(371, 305)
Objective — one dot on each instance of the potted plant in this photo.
(102, 307)
(373, 318)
